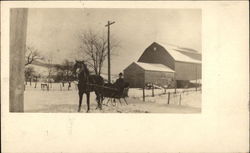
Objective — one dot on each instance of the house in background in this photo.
(42, 71)
(184, 62)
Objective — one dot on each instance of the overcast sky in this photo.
(54, 31)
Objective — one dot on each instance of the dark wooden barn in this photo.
(185, 62)
(138, 74)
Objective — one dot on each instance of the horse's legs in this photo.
(125, 101)
(98, 99)
(120, 101)
(102, 98)
(80, 101)
(88, 94)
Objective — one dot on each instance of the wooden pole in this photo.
(18, 30)
(168, 97)
(108, 53)
(143, 93)
(30, 81)
(196, 77)
(180, 99)
(153, 94)
(175, 86)
(108, 25)
(36, 81)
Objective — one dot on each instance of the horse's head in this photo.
(80, 68)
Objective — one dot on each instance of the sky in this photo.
(55, 32)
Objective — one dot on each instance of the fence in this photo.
(169, 96)
(50, 86)
(172, 95)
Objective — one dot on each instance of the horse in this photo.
(88, 83)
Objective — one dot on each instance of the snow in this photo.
(177, 55)
(66, 101)
(154, 67)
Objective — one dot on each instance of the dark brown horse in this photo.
(88, 83)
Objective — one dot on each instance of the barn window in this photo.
(155, 48)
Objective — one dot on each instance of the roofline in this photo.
(173, 57)
(179, 48)
(188, 51)
(164, 48)
(172, 71)
(128, 66)
(188, 62)
(138, 65)
(161, 71)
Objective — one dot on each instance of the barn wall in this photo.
(187, 71)
(158, 77)
(134, 75)
(160, 55)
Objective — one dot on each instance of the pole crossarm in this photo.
(109, 23)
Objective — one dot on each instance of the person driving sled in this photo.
(119, 83)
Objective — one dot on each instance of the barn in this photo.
(138, 74)
(184, 62)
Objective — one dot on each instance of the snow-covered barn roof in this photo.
(178, 53)
(154, 67)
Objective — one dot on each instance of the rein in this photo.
(101, 87)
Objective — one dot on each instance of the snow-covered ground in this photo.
(60, 99)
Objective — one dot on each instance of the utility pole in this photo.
(196, 77)
(108, 25)
(18, 29)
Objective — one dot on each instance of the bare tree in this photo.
(94, 49)
(50, 69)
(31, 55)
(29, 72)
(67, 68)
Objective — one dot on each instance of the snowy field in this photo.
(61, 100)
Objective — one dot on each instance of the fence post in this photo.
(143, 93)
(153, 94)
(168, 97)
(175, 86)
(180, 99)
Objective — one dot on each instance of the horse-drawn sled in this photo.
(110, 93)
(95, 83)
(113, 93)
